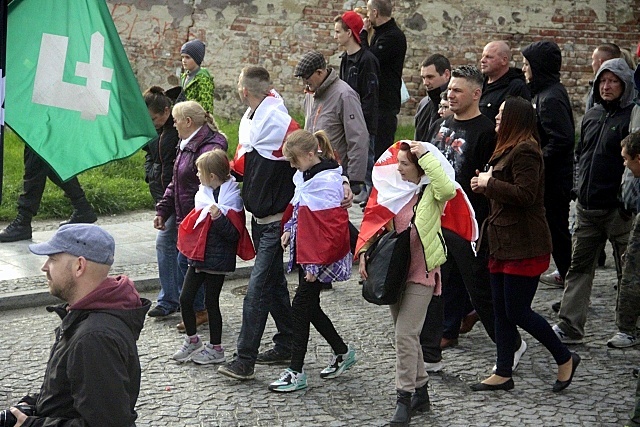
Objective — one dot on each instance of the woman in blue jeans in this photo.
(158, 167)
(519, 242)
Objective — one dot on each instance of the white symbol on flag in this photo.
(49, 88)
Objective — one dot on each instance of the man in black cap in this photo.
(93, 372)
(196, 81)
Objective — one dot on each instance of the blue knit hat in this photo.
(195, 49)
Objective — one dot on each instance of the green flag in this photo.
(70, 91)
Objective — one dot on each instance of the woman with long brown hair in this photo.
(519, 242)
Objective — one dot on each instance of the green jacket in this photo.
(429, 212)
(200, 89)
(430, 209)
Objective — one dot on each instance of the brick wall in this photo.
(275, 34)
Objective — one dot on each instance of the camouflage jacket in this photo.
(200, 88)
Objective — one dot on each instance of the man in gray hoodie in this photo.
(599, 212)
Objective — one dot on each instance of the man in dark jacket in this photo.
(598, 210)
(435, 73)
(500, 79)
(93, 373)
(267, 189)
(542, 62)
(389, 45)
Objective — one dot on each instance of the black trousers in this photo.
(473, 271)
(385, 137)
(212, 287)
(556, 205)
(36, 172)
(306, 311)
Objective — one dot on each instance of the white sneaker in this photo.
(187, 349)
(622, 340)
(553, 279)
(516, 357)
(432, 367)
(564, 337)
(208, 355)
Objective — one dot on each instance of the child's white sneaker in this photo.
(208, 355)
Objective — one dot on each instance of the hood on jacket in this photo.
(620, 68)
(114, 293)
(545, 60)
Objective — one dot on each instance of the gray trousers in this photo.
(628, 304)
(410, 373)
(593, 228)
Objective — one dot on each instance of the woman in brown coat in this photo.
(519, 242)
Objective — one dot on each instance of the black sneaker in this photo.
(18, 230)
(272, 357)
(159, 311)
(81, 217)
(237, 370)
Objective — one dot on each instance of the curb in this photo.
(40, 298)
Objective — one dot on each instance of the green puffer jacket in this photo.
(430, 210)
(200, 89)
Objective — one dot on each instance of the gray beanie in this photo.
(195, 49)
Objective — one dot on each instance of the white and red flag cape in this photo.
(265, 132)
(390, 194)
(322, 236)
(193, 230)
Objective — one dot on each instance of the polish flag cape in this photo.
(323, 225)
(265, 132)
(193, 230)
(390, 194)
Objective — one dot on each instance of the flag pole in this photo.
(3, 51)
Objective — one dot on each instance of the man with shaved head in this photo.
(500, 79)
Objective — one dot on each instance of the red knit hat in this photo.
(354, 22)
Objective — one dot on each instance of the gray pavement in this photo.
(176, 394)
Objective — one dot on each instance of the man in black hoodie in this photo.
(599, 212)
(500, 79)
(542, 62)
(93, 373)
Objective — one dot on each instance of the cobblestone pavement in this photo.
(176, 394)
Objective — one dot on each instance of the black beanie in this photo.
(195, 49)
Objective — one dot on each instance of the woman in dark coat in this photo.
(519, 242)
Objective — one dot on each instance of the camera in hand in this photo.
(7, 419)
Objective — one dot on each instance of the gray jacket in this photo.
(335, 108)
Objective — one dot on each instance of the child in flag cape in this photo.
(210, 236)
(318, 232)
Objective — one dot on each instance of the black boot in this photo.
(19, 229)
(420, 400)
(402, 416)
(82, 213)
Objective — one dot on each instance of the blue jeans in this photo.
(512, 296)
(171, 276)
(267, 293)
(172, 267)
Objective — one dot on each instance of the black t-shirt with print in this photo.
(468, 145)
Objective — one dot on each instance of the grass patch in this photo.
(113, 188)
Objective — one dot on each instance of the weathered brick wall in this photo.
(275, 33)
